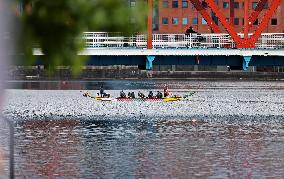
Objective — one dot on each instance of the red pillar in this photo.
(232, 12)
(149, 27)
(246, 18)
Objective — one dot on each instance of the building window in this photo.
(274, 21)
(194, 21)
(165, 20)
(175, 4)
(255, 22)
(165, 4)
(184, 21)
(226, 5)
(175, 21)
(254, 4)
(132, 3)
(265, 6)
(184, 4)
(236, 21)
(236, 5)
(203, 21)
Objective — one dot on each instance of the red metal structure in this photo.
(245, 42)
(260, 6)
(201, 9)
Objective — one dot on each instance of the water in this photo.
(227, 130)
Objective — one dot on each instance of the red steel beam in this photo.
(232, 11)
(149, 27)
(260, 6)
(273, 7)
(246, 20)
(246, 42)
(224, 22)
(199, 7)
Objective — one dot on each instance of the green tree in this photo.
(57, 26)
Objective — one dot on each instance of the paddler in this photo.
(159, 95)
(122, 94)
(132, 95)
(102, 91)
(150, 95)
(86, 94)
(141, 95)
(166, 91)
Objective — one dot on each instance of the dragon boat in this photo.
(166, 99)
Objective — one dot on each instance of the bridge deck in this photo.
(180, 49)
(182, 52)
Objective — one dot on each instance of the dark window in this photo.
(236, 5)
(194, 21)
(254, 4)
(184, 4)
(274, 21)
(175, 21)
(226, 5)
(255, 22)
(236, 21)
(175, 4)
(165, 4)
(204, 4)
(265, 6)
(165, 20)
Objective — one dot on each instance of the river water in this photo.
(227, 130)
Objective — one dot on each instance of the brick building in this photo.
(175, 16)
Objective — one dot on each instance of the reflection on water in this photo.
(142, 84)
(149, 149)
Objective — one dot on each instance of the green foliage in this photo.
(56, 26)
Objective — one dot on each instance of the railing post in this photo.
(190, 40)
(219, 44)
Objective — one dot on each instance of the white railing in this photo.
(116, 40)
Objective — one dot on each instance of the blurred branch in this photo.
(57, 26)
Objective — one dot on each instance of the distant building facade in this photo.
(175, 16)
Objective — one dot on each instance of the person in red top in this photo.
(166, 91)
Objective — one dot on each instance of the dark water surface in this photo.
(142, 84)
(151, 148)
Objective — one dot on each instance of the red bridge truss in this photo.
(203, 8)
